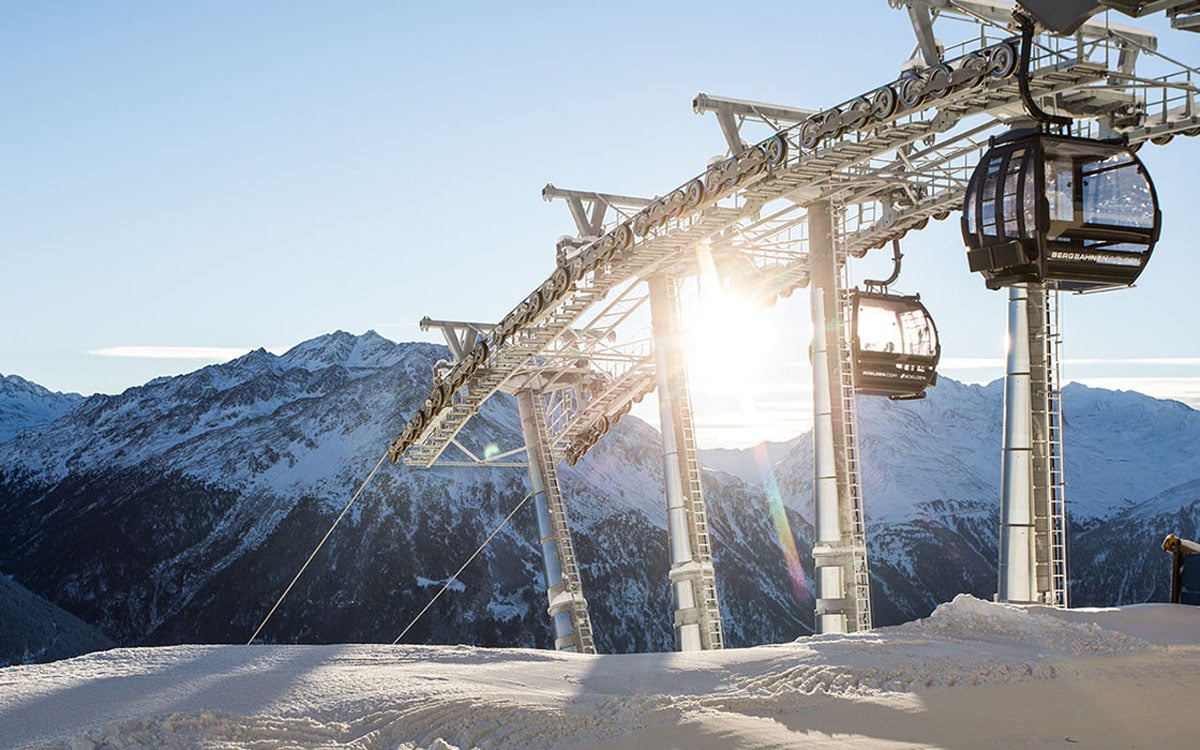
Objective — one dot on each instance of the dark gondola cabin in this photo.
(895, 345)
(1077, 213)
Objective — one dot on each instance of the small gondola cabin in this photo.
(895, 345)
(1077, 213)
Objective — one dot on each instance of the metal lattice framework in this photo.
(872, 168)
(890, 160)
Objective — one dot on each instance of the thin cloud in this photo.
(212, 353)
(969, 363)
(972, 363)
(1182, 361)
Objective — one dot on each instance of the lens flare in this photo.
(787, 544)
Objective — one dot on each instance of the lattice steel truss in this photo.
(889, 160)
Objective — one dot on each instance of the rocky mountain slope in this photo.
(931, 483)
(24, 404)
(177, 511)
(34, 630)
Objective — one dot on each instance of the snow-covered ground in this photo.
(973, 675)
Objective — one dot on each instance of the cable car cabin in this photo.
(895, 345)
(1078, 213)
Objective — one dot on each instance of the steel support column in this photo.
(1017, 551)
(1032, 565)
(693, 583)
(567, 605)
(839, 550)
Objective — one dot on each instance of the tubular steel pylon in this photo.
(693, 581)
(1033, 536)
(891, 158)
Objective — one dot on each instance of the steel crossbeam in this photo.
(888, 161)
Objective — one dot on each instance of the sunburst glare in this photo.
(728, 339)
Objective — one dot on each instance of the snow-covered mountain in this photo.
(1120, 558)
(1121, 448)
(746, 464)
(931, 483)
(24, 404)
(177, 511)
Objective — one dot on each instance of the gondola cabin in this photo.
(1077, 213)
(895, 345)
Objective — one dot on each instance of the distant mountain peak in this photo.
(253, 357)
(11, 384)
(25, 404)
(218, 478)
(345, 349)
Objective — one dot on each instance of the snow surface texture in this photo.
(974, 674)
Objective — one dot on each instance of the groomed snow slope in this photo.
(974, 674)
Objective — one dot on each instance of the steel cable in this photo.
(320, 544)
(454, 577)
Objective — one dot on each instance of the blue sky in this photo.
(225, 176)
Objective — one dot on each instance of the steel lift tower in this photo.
(567, 605)
(693, 581)
(799, 194)
(840, 548)
(1033, 534)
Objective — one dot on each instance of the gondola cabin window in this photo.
(1075, 213)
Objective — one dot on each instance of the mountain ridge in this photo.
(25, 404)
(177, 511)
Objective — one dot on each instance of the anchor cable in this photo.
(320, 544)
(450, 581)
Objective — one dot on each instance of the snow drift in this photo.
(973, 674)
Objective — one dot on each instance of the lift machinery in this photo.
(803, 191)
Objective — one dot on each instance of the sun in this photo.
(727, 338)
